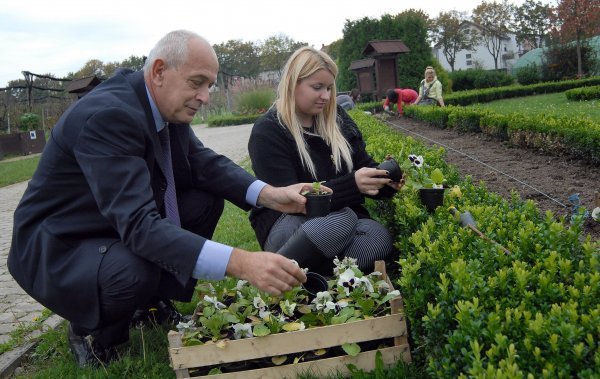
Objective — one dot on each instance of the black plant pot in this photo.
(314, 284)
(318, 205)
(393, 169)
(432, 197)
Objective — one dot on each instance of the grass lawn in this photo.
(12, 172)
(146, 354)
(550, 104)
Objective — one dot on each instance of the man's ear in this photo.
(157, 72)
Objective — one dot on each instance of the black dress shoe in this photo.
(159, 312)
(87, 351)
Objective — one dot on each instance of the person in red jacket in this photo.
(399, 96)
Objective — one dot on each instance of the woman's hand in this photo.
(370, 180)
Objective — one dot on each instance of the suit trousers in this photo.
(127, 282)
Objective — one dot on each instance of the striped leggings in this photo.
(339, 234)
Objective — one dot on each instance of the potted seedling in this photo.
(318, 201)
(427, 180)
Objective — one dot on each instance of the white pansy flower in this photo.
(329, 306)
(348, 281)
(596, 214)
(287, 307)
(213, 300)
(259, 303)
(264, 314)
(320, 301)
(184, 325)
(342, 304)
(344, 264)
(366, 283)
(240, 284)
(416, 160)
(242, 331)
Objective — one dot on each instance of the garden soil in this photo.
(548, 180)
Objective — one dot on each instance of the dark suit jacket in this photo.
(99, 182)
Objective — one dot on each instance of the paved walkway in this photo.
(19, 309)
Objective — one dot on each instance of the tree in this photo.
(494, 19)
(578, 19)
(91, 68)
(532, 22)
(275, 51)
(238, 58)
(356, 34)
(334, 49)
(412, 26)
(449, 32)
(409, 26)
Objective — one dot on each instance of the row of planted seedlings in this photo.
(522, 302)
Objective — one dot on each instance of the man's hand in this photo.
(285, 199)
(268, 272)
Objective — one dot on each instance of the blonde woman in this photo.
(305, 136)
(430, 89)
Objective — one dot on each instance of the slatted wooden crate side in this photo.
(393, 325)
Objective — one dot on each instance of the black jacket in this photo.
(276, 160)
(99, 182)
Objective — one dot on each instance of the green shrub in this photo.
(228, 120)
(583, 93)
(254, 101)
(465, 119)
(476, 78)
(437, 116)
(490, 94)
(529, 74)
(29, 121)
(561, 61)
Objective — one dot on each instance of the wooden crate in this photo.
(390, 326)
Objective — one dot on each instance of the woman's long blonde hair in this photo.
(302, 64)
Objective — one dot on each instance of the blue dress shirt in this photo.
(214, 257)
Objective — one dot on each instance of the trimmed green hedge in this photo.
(232, 120)
(497, 93)
(583, 93)
(578, 136)
(475, 311)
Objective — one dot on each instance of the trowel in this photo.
(467, 221)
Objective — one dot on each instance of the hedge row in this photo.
(491, 94)
(497, 93)
(476, 311)
(583, 93)
(232, 120)
(577, 136)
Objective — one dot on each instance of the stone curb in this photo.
(10, 360)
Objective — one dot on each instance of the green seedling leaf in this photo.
(351, 349)
(437, 176)
(261, 330)
(279, 360)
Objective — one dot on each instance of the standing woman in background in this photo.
(430, 89)
(306, 136)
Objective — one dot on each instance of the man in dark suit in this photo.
(113, 219)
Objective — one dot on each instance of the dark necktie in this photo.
(171, 209)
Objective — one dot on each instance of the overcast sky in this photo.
(60, 36)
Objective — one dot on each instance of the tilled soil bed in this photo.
(548, 180)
